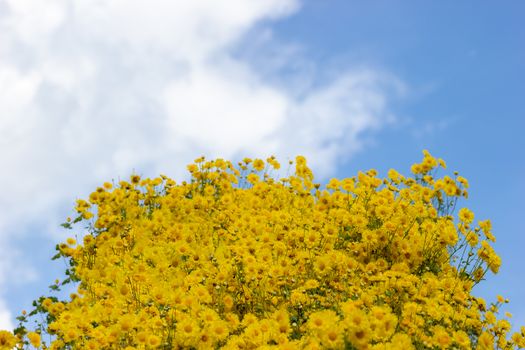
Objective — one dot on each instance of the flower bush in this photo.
(237, 259)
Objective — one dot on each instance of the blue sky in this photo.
(88, 95)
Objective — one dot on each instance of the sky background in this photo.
(93, 90)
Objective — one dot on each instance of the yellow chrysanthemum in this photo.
(235, 258)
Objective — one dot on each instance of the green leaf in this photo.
(56, 256)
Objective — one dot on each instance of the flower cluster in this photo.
(237, 259)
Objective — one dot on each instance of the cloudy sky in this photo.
(92, 90)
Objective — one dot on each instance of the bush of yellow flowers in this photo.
(236, 259)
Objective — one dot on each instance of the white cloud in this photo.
(5, 317)
(92, 89)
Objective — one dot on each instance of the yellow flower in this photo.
(154, 341)
(219, 330)
(322, 320)
(358, 336)
(333, 337)
(188, 329)
(462, 339)
(311, 284)
(258, 164)
(135, 179)
(193, 168)
(253, 178)
(126, 323)
(7, 340)
(205, 341)
(466, 216)
(378, 263)
(441, 337)
(494, 263)
(485, 342)
(462, 181)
